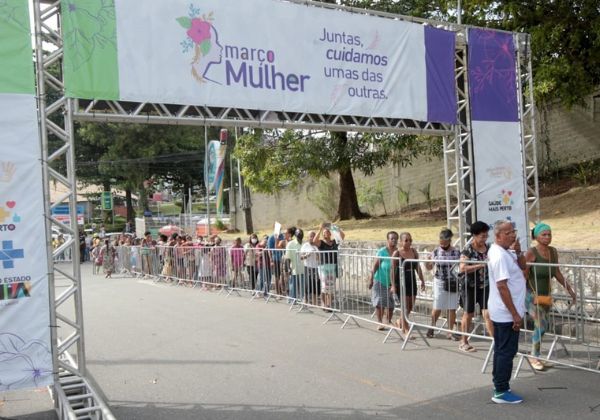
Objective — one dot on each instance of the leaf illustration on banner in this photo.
(23, 362)
(91, 26)
(185, 21)
(9, 15)
(498, 66)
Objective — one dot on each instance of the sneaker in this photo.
(506, 397)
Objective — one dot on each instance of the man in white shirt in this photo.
(506, 306)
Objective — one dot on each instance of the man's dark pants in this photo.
(506, 345)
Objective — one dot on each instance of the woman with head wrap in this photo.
(539, 290)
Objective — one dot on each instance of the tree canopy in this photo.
(272, 160)
(128, 155)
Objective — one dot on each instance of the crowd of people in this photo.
(499, 279)
(284, 264)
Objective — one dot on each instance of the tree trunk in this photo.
(185, 201)
(143, 198)
(247, 207)
(129, 205)
(348, 204)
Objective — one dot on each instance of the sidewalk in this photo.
(165, 352)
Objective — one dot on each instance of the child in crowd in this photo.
(237, 261)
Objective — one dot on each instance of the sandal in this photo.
(429, 333)
(467, 348)
(381, 328)
(453, 337)
(536, 364)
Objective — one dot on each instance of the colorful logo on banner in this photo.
(500, 173)
(15, 288)
(255, 67)
(9, 217)
(504, 202)
(8, 254)
(203, 40)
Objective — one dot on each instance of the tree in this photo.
(132, 154)
(272, 160)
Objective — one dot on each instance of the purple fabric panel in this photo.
(441, 91)
(492, 78)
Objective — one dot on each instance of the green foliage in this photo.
(426, 191)
(370, 196)
(323, 195)
(129, 155)
(117, 226)
(404, 196)
(272, 160)
(220, 225)
(586, 171)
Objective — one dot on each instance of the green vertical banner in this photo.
(107, 200)
(16, 71)
(90, 49)
(25, 343)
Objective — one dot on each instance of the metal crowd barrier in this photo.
(572, 330)
(338, 283)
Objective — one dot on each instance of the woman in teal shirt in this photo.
(380, 281)
(539, 289)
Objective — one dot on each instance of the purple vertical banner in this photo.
(441, 88)
(492, 77)
(496, 130)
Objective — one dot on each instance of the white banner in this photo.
(25, 349)
(260, 54)
(500, 179)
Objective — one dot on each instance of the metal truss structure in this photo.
(159, 113)
(458, 154)
(75, 396)
(527, 118)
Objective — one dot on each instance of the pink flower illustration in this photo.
(200, 31)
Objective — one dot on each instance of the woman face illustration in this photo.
(215, 53)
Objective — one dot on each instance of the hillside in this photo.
(574, 216)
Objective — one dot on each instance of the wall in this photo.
(574, 135)
(295, 206)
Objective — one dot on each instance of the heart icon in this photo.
(16, 218)
(11, 204)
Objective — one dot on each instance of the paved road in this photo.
(163, 352)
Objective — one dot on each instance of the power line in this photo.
(171, 159)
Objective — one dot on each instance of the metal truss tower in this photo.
(458, 153)
(74, 396)
(528, 134)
